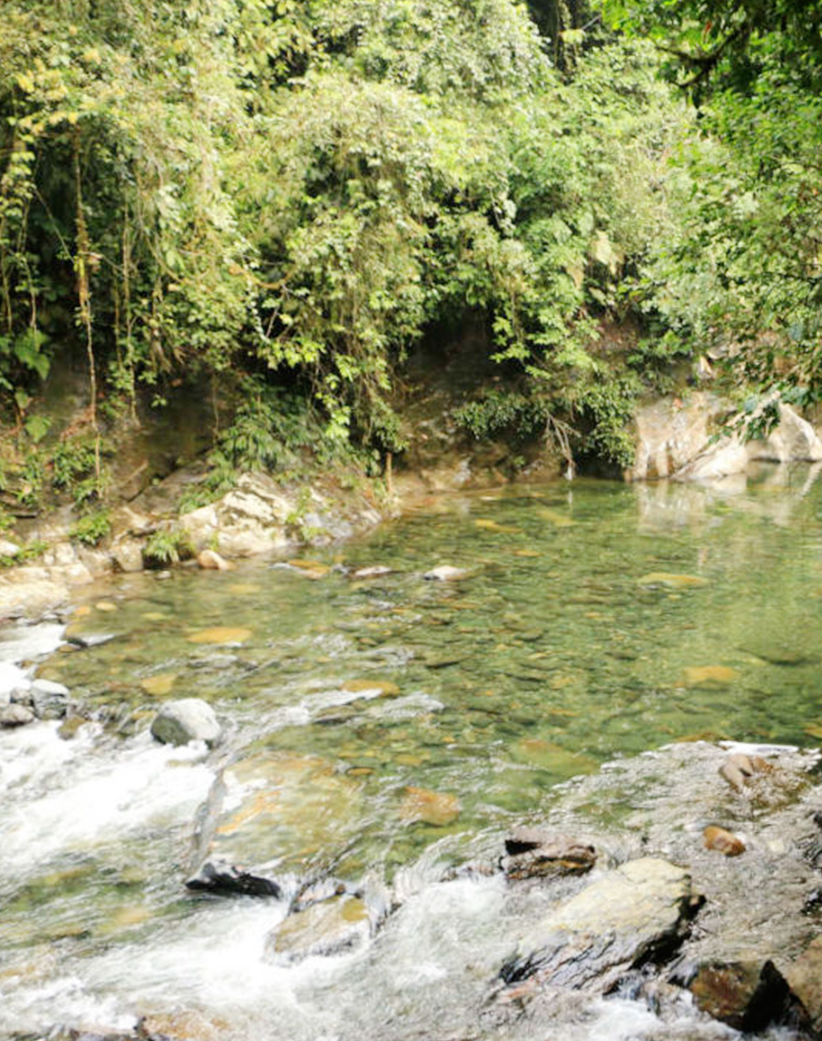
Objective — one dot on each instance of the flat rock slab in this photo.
(270, 815)
(627, 916)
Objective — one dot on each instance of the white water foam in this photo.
(59, 796)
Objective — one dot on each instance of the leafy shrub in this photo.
(93, 528)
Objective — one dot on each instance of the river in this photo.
(592, 621)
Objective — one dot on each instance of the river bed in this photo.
(590, 623)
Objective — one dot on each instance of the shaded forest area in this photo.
(277, 199)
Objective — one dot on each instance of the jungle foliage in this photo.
(745, 276)
(296, 190)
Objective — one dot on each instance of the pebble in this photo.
(723, 841)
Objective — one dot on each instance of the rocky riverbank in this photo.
(632, 897)
(677, 438)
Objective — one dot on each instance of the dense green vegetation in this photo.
(283, 196)
(750, 256)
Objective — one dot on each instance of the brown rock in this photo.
(437, 808)
(210, 560)
(722, 840)
(531, 853)
(747, 995)
(738, 768)
(183, 1026)
(804, 977)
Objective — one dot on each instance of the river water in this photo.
(594, 621)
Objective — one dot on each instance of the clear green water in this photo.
(555, 653)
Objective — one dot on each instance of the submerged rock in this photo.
(328, 927)
(189, 719)
(436, 808)
(271, 815)
(637, 913)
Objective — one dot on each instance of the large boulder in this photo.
(792, 440)
(670, 433)
(259, 515)
(633, 914)
(677, 437)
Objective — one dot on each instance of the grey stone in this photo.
(49, 700)
(189, 719)
(128, 554)
(16, 716)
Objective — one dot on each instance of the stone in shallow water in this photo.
(445, 573)
(325, 928)
(210, 560)
(48, 699)
(710, 675)
(633, 914)
(385, 687)
(218, 877)
(189, 719)
(273, 813)
(671, 581)
(723, 841)
(183, 1026)
(532, 853)
(160, 684)
(15, 715)
(220, 634)
(739, 768)
(374, 571)
(437, 808)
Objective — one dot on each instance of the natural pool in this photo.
(594, 620)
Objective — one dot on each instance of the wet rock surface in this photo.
(731, 930)
(324, 928)
(531, 853)
(638, 912)
(269, 817)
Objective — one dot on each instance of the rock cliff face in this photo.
(683, 439)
